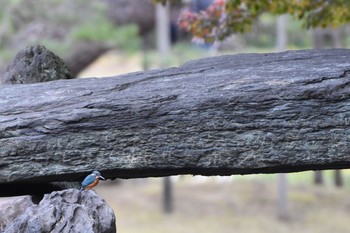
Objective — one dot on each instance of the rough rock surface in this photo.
(234, 114)
(11, 208)
(69, 210)
(35, 64)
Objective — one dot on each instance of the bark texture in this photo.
(234, 114)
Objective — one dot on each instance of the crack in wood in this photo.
(319, 80)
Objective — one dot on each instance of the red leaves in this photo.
(203, 24)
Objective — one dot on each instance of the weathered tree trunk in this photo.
(168, 200)
(139, 12)
(318, 178)
(338, 179)
(239, 114)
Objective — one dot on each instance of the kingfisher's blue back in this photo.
(88, 180)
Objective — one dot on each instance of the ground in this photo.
(235, 204)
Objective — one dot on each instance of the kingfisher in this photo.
(91, 180)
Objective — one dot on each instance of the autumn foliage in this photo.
(225, 17)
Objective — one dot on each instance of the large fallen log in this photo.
(236, 114)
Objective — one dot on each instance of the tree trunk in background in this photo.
(318, 178)
(338, 179)
(282, 203)
(168, 200)
(336, 38)
(163, 47)
(163, 32)
(317, 38)
(282, 36)
(146, 45)
(139, 12)
(83, 55)
(5, 25)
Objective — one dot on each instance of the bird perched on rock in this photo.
(91, 180)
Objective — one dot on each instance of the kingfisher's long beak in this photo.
(101, 177)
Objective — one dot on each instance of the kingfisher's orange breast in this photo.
(93, 184)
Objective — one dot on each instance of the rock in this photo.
(69, 210)
(11, 208)
(35, 64)
(233, 114)
(31, 65)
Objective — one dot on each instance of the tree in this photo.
(223, 18)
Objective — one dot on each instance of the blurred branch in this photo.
(83, 54)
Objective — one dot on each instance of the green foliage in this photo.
(61, 49)
(103, 30)
(263, 34)
(6, 54)
(59, 25)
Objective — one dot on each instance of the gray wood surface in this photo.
(234, 114)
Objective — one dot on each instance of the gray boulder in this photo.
(11, 208)
(69, 210)
(35, 64)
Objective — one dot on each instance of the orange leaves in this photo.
(202, 25)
